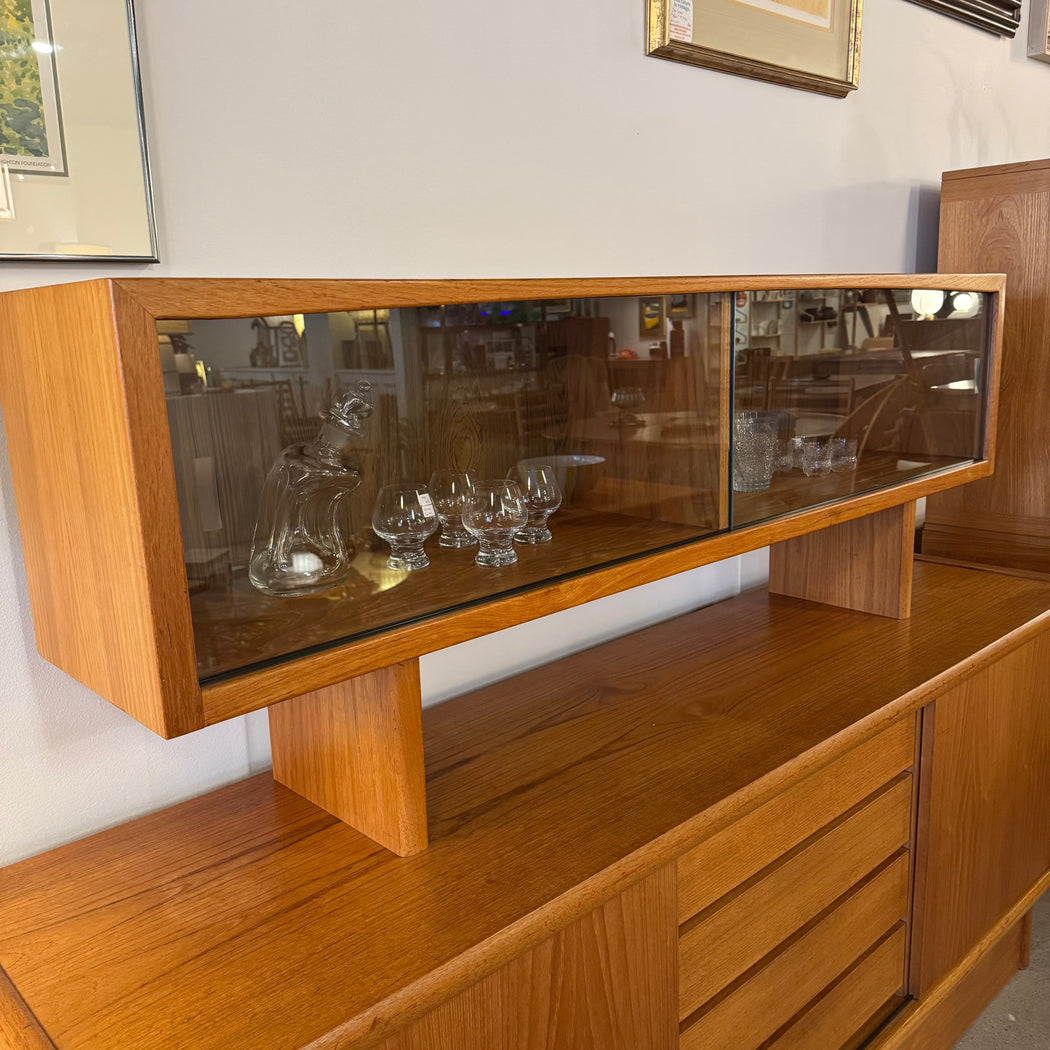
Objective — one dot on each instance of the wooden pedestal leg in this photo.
(864, 564)
(356, 750)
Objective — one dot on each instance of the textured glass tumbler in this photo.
(539, 485)
(404, 516)
(493, 512)
(843, 454)
(449, 490)
(816, 458)
(755, 448)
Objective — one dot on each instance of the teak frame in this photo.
(95, 490)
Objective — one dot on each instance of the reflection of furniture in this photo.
(277, 344)
(296, 424)
(710, 824)
(346, 676)
(223, 445)
(996, 218)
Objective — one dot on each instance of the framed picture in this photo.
(73, 161)
(651, 315)
(1001, 17)
(1039, 30)
(808, 44)
(30, 120)
(681, 305)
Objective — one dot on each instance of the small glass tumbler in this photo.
(493, 512)
(404, 516)
(816, 457)
(755, 447)
(449, 490)
(843, 454)
(539, 485)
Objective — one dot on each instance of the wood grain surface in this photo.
(356, 750)
(1001, 216)
(193, 298)
(864, 564)
(605, 982)
(737, 853)
(859, 994)
(987, 796)
(20, 1030)
(771, 993)
(251, 910)
(719, 946)
(95, 491)
(937, 1021)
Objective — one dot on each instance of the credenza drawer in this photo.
(722, 942)
(733, 855)
(832, 1019)
(769, 995)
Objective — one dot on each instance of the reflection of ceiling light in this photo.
(965, 304)
(43, 47)
(300, 324)
(926, 301)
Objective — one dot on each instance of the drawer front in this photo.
(733, 855)
(721, 943)
(842, 1009)
(771, 994)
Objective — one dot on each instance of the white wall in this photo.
(441, 140)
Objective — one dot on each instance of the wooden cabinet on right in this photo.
(999, 218)
(984, 809)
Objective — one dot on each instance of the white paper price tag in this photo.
(681, 21)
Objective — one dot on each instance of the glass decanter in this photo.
(299, 546)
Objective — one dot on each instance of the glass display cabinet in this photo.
(203, 468)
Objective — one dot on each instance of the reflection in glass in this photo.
(636, 423)
(892, 377)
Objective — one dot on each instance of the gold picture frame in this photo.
(809, 44)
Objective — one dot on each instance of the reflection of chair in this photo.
(761, 369)
(946, 368)
(951, 417)
(879, 421)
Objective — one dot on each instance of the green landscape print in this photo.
(23, 117)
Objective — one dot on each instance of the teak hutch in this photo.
(578, 857)
(998, 217)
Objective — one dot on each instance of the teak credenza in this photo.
(767, 823)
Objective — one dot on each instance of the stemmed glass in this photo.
(449, 490)
(493, 512)
(623, 399)
(404, 516)
(539, 486)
